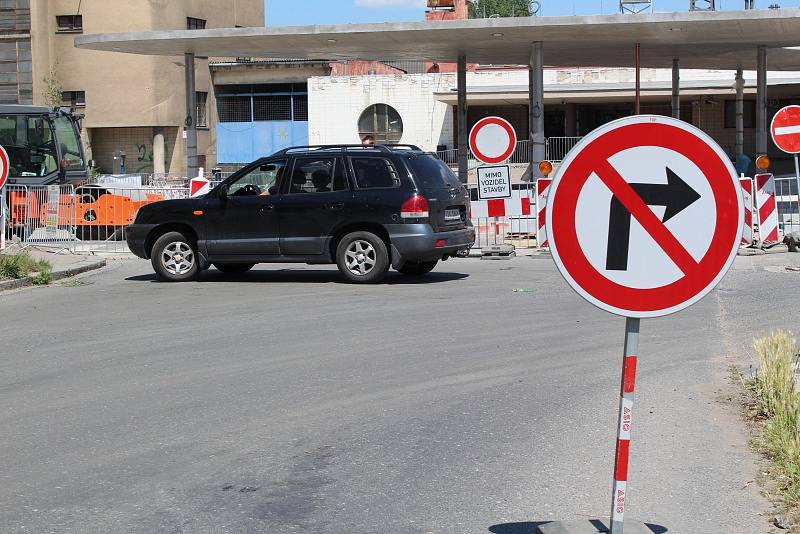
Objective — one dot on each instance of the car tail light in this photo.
(415, 207)
(440, 243)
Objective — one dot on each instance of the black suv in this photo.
(363, 208)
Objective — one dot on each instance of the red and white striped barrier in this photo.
(542, 189)
(767, 208)
(519, 205)
(747, 193)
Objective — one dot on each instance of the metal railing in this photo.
(87, 218)
(786, 197)
(557, 148)
(519, 230)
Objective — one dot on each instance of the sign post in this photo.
(493, 140)
(644, 218)
(4, 168)
(785, 129)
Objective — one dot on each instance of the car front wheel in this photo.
(362, 258)
(174, 258)
(418, 268)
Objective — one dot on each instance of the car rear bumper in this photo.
(136, 236)
(417, 242)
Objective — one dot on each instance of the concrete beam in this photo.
(190, 123)
(761, 101)
(676, 88)
(463, 142)
(739, 113)
(536, 108)
(717, 40)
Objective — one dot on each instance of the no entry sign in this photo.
(644, 216)
(786, 129)
(492, 140)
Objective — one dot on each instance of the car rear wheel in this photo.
(234, 268)
(175, 258)
(362, 258)
(418, 268)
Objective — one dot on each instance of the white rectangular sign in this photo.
(494, 182)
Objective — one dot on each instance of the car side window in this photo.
(318, 175)
(262, 180)
(374, 173)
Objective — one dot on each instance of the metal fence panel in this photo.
(786, 197)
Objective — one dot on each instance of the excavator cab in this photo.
(43, 145)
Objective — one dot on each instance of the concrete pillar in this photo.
(739, 112)
(191, 118)
(571, 120)
(536, 108)
(159, 155)
(463, 142)
(761, 101)
(676, 88)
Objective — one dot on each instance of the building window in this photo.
(382, 122)
(300, 108)
(202, 105)
(195, 24)
(234, 109)
(69, 23)
(263, 103)
(272, 108)
(74, 99)
(749, 114)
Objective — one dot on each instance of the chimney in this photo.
(447, 10)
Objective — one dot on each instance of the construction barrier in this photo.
(542, 189)
(747, 194)
(85, 218)
(767, 209)
(505, 220)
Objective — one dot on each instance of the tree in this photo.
(479, 9)
(52, 92)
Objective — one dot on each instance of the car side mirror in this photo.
(223, 192)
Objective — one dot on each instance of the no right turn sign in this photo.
(644, 216)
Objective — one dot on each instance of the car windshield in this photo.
(28, 140)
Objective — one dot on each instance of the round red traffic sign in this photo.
(492, 140)
(644, 216)
(4, 168)
(786, 129)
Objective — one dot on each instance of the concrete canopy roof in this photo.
(720, 40)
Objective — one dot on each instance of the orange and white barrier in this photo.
(542, 189)
(747, 194)
(767, 208)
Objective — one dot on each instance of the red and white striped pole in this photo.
(627, 389)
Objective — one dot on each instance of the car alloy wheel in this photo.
(177, 258)
(360, 257)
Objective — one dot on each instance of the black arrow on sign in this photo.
(676, 195)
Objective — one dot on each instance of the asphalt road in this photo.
(285, 401)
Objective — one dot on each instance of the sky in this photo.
(300, 12)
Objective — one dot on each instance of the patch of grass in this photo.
(779, 405)
(14, 266)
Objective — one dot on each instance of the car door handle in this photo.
(267, 207)
(335, 206)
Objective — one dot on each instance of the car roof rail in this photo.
(340, 148)
(401, 145)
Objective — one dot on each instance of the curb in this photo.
(55, 275)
